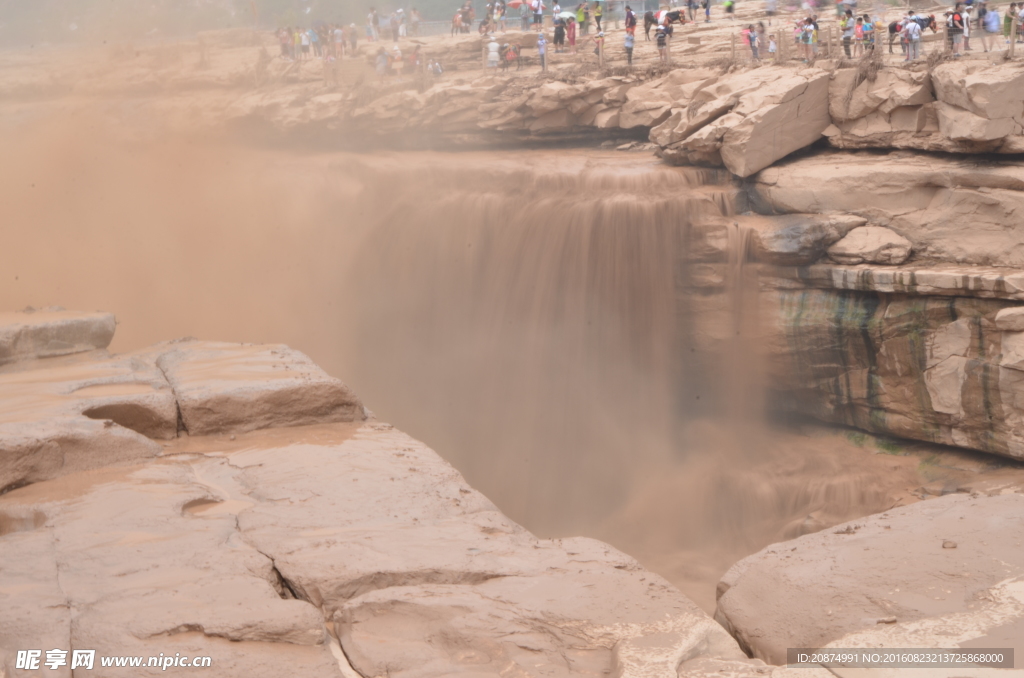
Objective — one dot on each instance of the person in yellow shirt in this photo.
(598, 13)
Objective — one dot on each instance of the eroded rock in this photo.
(950, 209)
(52, 332)
(871, 245)
(240, 387)
(833, 587)
(749, 118)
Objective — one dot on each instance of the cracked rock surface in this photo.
(321, 544)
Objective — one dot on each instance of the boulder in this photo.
(1011, 319)
(938, 573)
(988, 91)
(651, 103)
(890, 89)
(797, 239)
(788, 114)
(786, 240)
(241, 387)
(871, 245)
(959, 124)
(747, 120)
(52, 332)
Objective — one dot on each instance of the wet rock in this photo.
(926, 368)
(52, 332)
(797, 239)
(224, 387)
(871, 245)
(833, 588)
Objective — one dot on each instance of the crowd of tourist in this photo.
(859, 33)
(323, 41)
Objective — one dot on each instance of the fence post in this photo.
(483, 51)
(1014, 27)
(732, 45)
(600, 53)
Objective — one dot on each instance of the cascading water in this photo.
(540, 318)
(545, 329)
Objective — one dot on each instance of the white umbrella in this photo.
(567, 15)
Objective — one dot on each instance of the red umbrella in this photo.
(516, 4)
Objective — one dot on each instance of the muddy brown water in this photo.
(521, 312)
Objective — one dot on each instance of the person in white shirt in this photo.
(912, 34)
(492, 53)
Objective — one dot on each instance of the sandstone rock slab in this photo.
(871, 245)
(931, 200)
(747, 120)
(52, 332)
(834, 587)
(240, 387)
(143, 573)
(789, 114)
(1011, 319)
(243, 553)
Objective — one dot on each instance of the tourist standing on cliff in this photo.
(807, 39)
(847, 27)
(750, 35)
(285, 39)
(989, 26)
(629, 41)
(353, 38)
(912, 34)
(630, 20)
(598, 13)
(956, 29)
(570, 34)
(374, 24)
(967, 29)
(661, 40)
(493, 53)
(559, 40)
(542, 48)
(538, 14)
